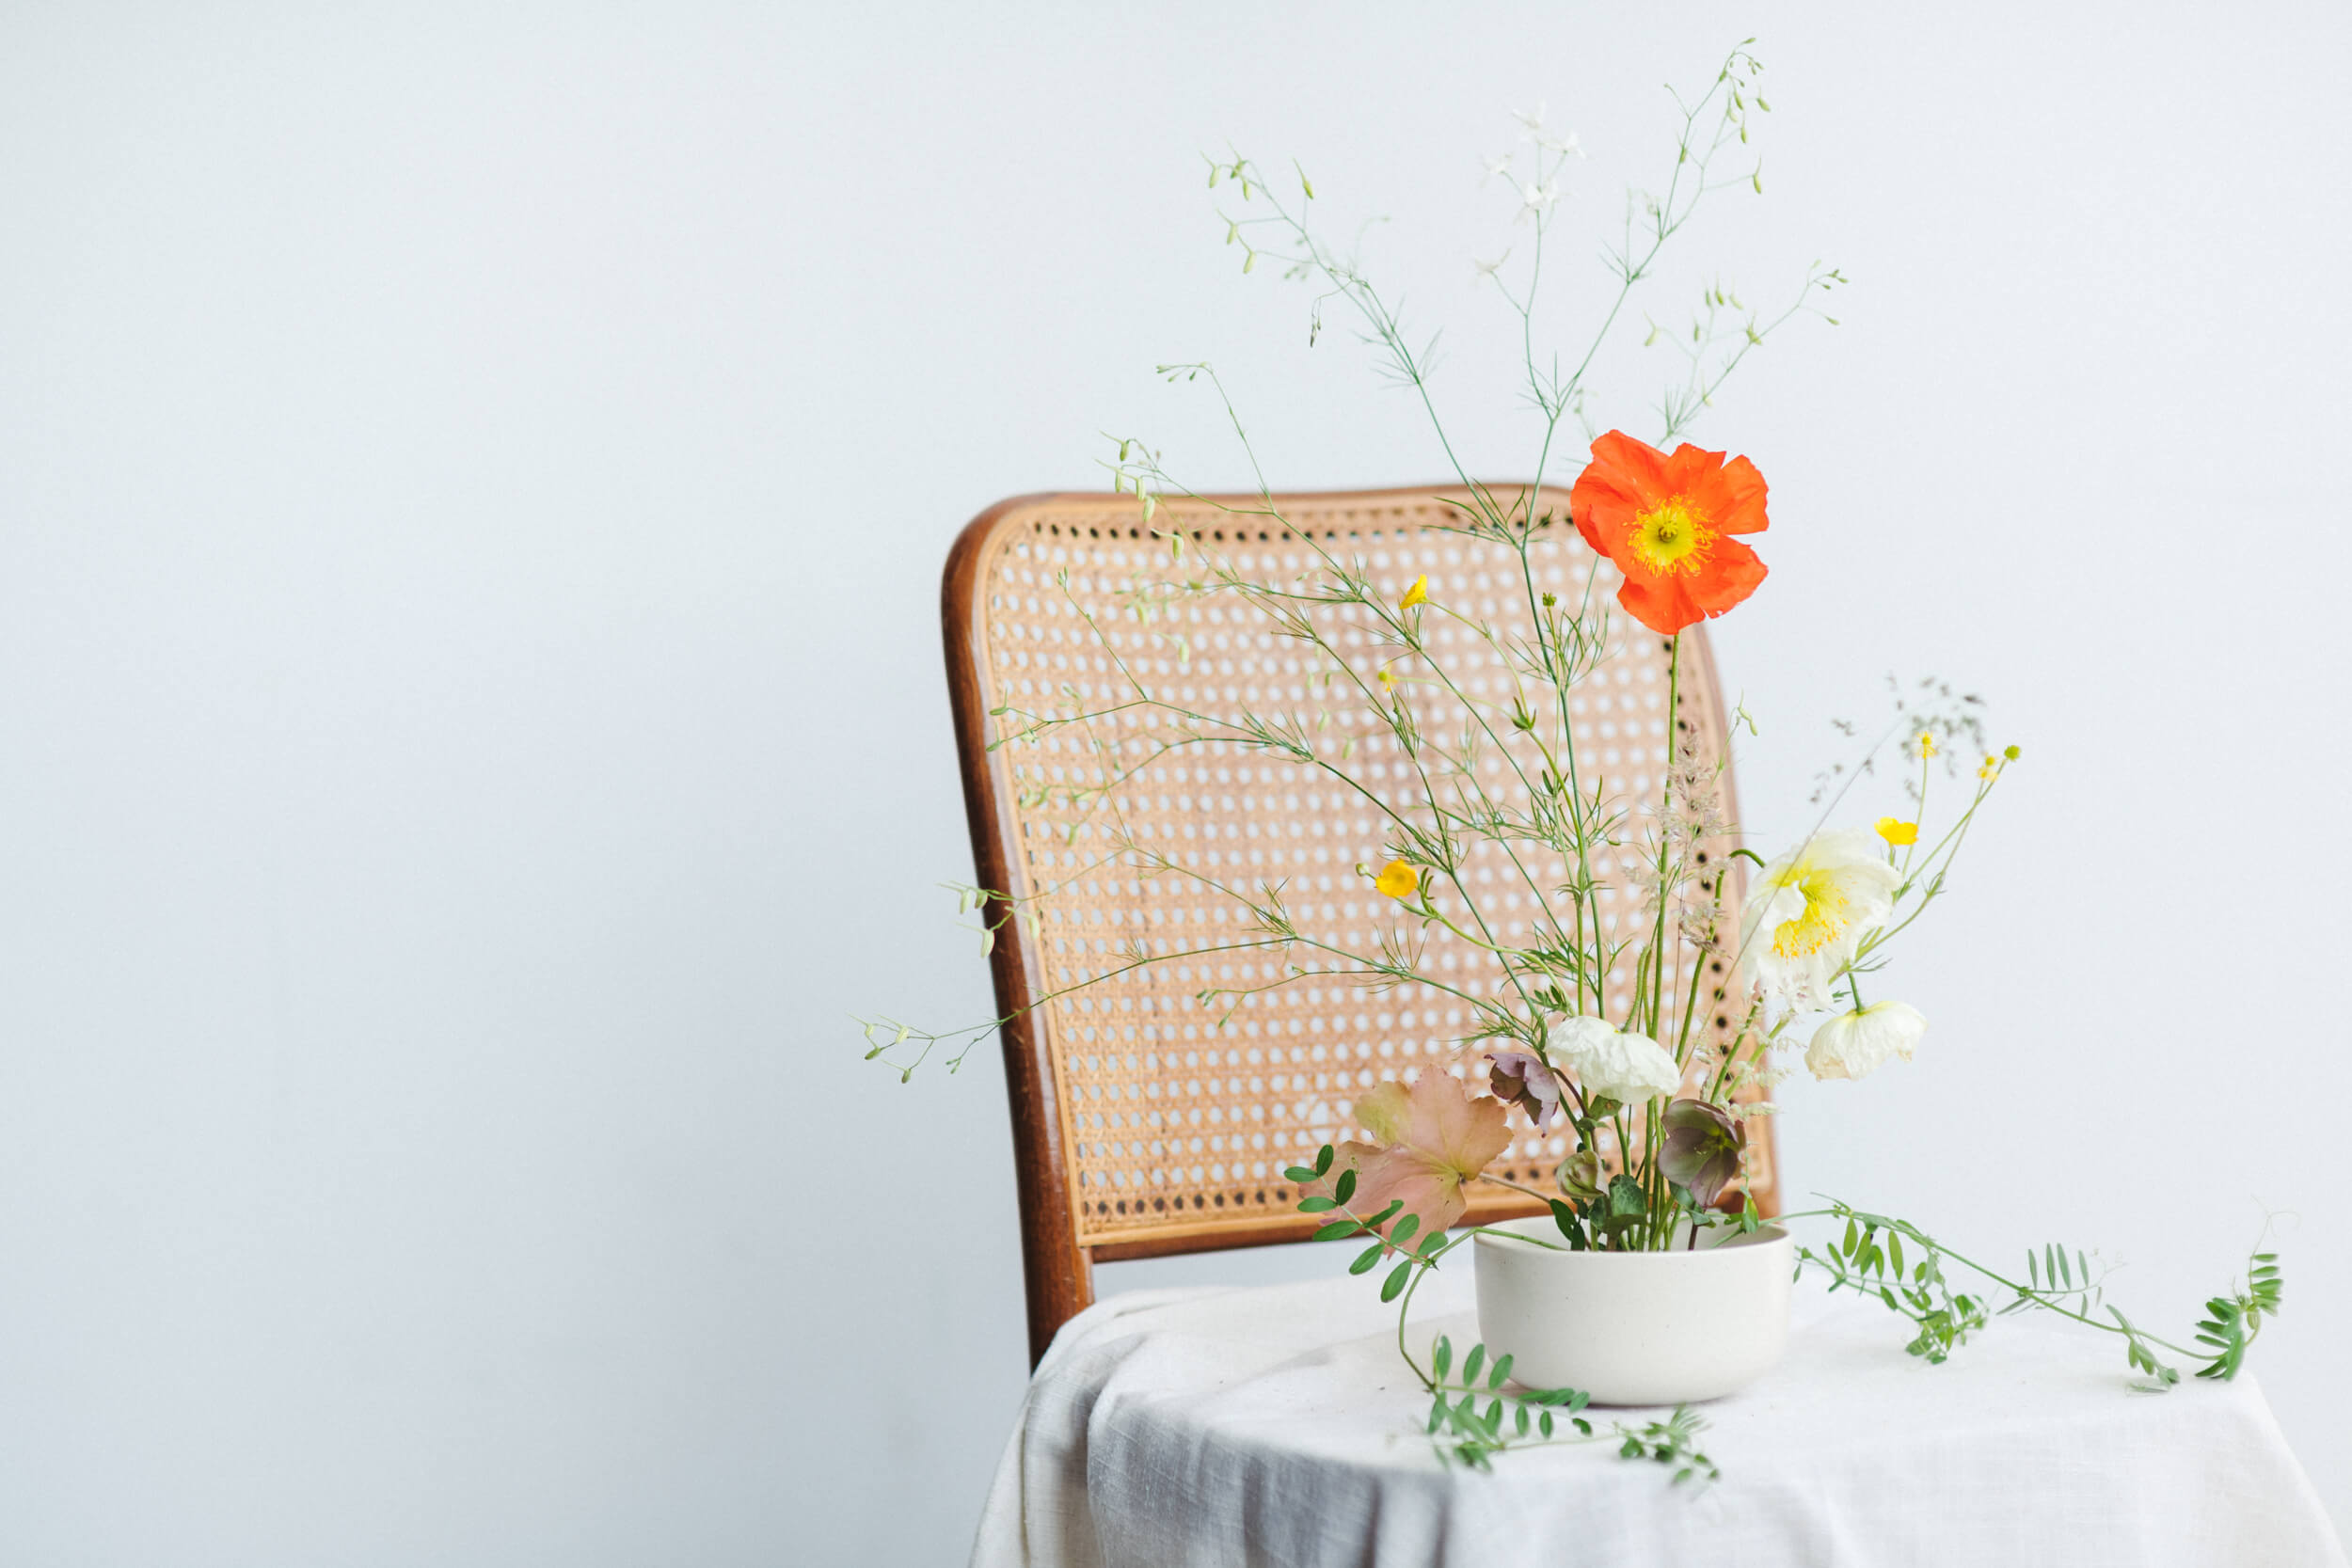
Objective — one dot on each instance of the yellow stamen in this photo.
(1826, 916)
(1673, 537)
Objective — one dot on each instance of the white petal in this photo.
(1855, 1044)
(1628, 1069)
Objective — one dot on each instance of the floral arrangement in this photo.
(1604, 1027)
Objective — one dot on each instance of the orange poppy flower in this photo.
(1667, 523)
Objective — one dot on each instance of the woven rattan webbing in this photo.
(1171, 1128)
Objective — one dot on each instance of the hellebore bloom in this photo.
(1428, 1140)
(1702, 1147)
(1519, 1078)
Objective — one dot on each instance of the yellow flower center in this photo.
(1825, 918)
(1672, 537)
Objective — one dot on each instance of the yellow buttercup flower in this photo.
(1899, 832)
(1397, 879)
(1927, 744)
(1387, 678)
(1418, 594)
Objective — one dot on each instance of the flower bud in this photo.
(1579, 1177)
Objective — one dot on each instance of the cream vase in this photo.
(1635, 1328)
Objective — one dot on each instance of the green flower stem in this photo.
(2041, 1298)
(1665, 803)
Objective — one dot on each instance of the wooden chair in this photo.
(1140, 1128)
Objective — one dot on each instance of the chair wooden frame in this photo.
(1057, 1264)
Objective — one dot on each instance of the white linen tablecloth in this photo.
(1276, 1425)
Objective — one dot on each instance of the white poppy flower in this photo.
(1810, 908)
(1628, 1069)
(1854, 1044)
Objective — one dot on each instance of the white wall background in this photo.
(473, 486)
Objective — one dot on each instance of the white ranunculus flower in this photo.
(1628, 1069)
(1852, 1044)
(1810, 908)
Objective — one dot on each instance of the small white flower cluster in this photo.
(1538, 195)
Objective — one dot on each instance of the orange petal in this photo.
(1639, 466)
(1733, 573)
(1624, 477)
(1661, 604)
(1733, 498)
(1690, 467)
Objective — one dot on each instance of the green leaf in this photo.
(1895, 1250)
(1393, 1286)
(1336, 1230)
(1444, 1357)
(1542, 1422)
(1299, 1174)
(1323, 1159)
(1520, 1418)
(1500, 1371)
(1367, 1258)
(1344, 1188)
(1317, 1205)
(1471, 1363)
(1853, 1239)
(1404, 1229)
(1429, 1244)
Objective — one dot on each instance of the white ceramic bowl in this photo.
(1635, 1328)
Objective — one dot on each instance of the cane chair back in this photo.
(1145, 1123)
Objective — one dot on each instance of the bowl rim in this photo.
(1770, 1236)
